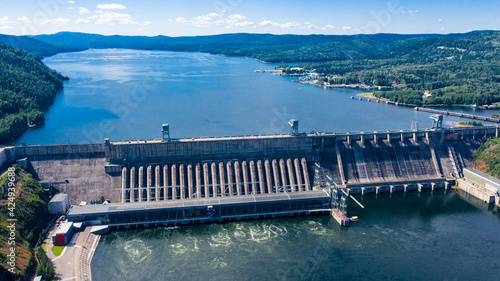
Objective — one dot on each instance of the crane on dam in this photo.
(437, 121)
(338, 196)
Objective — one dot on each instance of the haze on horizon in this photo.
(201, 17)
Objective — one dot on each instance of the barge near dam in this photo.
(177, 181)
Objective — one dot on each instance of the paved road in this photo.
(67, 264)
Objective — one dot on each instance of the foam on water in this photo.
(178, 248)
(279, 231)
(221, 239)
(218, 263)
(136, 250)
(240, 231)
(260, 232)
(315, 227)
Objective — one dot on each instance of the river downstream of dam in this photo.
(439, 235)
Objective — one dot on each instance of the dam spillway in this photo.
(208, 179)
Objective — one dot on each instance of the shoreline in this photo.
(371, 96)
(21, 131)
(86, 256)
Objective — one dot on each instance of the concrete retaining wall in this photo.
(207, 149)
(89, 150)
(477, 192)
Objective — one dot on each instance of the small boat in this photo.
(473, 105)
(355, 218)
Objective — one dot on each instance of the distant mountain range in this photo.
(265, 47)
(36, 47)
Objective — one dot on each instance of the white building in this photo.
(59, 204)
(426, 94)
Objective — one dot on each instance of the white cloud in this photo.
(237, 20)
(71, 2)
(241, 24)
(112, 18)
(346, 27)
(24, 19)
(146, 23)
(211, 19)
(5, 27)
(309, 25)
(305, 25)
(82, 21)
(268, 23)
(83, 10)
(440, 20)
(283, 25)
(55, 21)
(111, 7)
(290, 24)
(328, 26)
(5, 20)
(205, 20)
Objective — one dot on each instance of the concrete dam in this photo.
(180, 169)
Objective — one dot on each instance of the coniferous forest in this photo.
(27, 86)
(464, 70)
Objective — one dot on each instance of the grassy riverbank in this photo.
(487, 157)
(371, 96)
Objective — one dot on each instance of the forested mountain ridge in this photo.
(461, 70)
(26, 87)
(35, 47)
(265, 47)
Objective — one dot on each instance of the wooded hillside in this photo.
(26, 87)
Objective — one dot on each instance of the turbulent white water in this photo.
(429, 236)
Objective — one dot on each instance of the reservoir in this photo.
(439, 235)
(129, 94)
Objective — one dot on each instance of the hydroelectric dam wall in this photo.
(156, 170)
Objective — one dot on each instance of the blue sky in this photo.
(203, 17)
